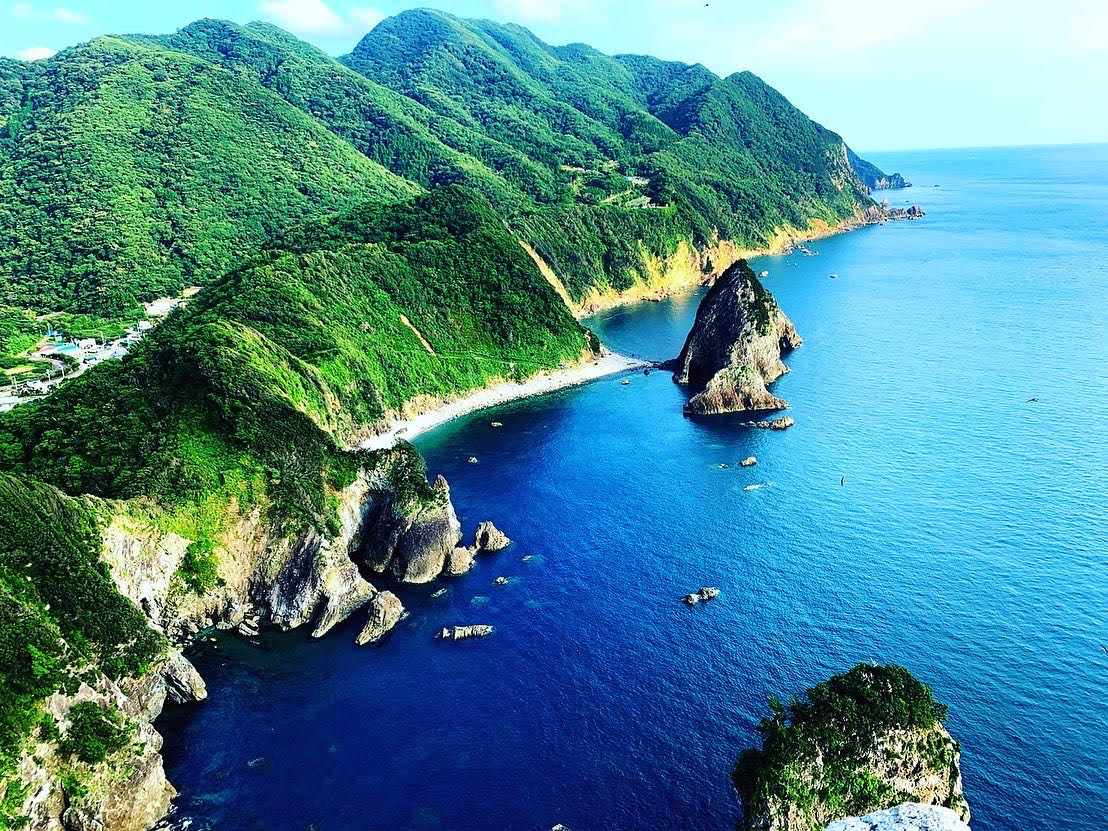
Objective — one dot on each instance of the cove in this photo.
(968, 543)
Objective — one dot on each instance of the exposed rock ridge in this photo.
(287, 577)
(865, 741)
(735, 347)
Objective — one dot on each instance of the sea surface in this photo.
(953, 378)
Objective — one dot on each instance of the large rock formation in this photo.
(388, 519)
(412, 543)
(867, 740)
(910, 816)
(734, 349)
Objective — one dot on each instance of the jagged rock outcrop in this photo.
(385, 611)
(461, 633)
(412, 545)
(459, 561)
(864, 741)
(183, 684)
(491, 538)
(267, 572)
(911, 816)
(734, 349)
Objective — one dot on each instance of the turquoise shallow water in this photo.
(969, 543)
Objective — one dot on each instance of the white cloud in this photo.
(315, 17)
(366, 17)
(69, 16)
(36, 53)
(834, 29)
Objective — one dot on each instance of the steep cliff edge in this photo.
(735, 346)
(866, 740)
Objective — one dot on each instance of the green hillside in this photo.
(128, 172)
(132, 166)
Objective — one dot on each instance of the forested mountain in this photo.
(132, 166)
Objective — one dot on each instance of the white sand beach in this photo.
(608, 363)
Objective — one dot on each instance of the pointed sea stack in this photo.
(735, 347)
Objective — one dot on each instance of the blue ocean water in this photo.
(968, 543)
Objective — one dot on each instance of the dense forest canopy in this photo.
(133, 166)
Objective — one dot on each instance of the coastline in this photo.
(781, 240)
(608, 363)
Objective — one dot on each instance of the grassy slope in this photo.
(247, 396)
(184, 152)
(727, 157)
(128, 172)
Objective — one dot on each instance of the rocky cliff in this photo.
(388, 520)
(735, 347)
(867, 740)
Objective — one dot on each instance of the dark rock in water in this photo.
(459, 561)
(735, 347)
(385, 611)
(183, 683)
(461, 633)
(708, 593)
(491, 538)
(783, 423)
(412, 542)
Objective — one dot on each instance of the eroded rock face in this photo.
(183, 683)
(734, 349)
(491, 538)
(385, 611)
(413, 544)
(459, 561)
(910, 816)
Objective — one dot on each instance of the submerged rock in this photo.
(385, 610)
(735, 347)
(461, 633)
(491, 538)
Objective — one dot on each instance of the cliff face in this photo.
(735, 347)
(865, 741)
(289, 577)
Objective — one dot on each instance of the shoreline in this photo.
(608, 363)
(782, 240)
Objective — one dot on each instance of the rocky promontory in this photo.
(735, 347)
(865, 741)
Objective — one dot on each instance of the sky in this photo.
(886, 74)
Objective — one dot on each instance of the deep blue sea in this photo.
(969, 543)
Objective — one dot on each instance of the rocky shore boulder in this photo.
(461, 633)
(459, 561)
(735, 347)
(865, 741)
(183, 683)
(385, 611)
(491, 538)
(411, 540)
